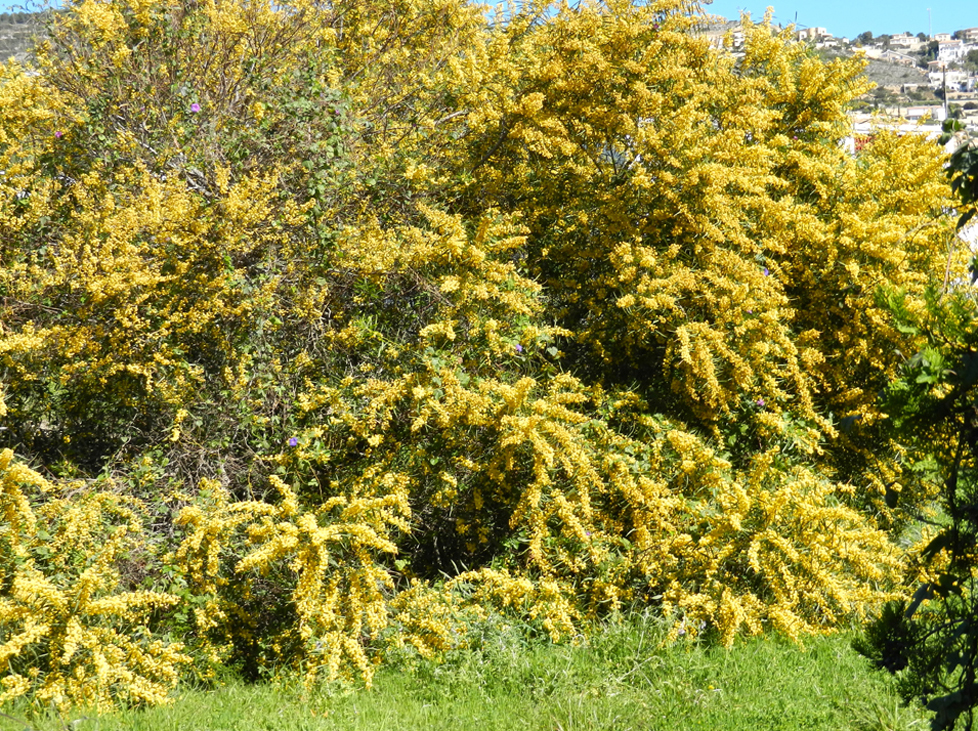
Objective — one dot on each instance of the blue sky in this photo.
(13, 6)
(849, 19)
(839, 17)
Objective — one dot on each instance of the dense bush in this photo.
(76, 626)
(341, 300)
(930, 642)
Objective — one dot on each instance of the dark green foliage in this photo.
(929, 53)
(971, 62)
(964, 180)
(932, 644)
(887, 640)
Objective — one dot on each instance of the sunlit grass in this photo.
(625, 677)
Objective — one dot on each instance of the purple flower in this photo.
(766, 272)
(760, 402)
(519, 348)
(294, 442)
(58, 134)
(195, 107)
(750, 312)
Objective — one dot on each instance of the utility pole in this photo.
(930, 27)
(944, 70)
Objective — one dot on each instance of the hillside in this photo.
(16, 30)
(883, 73)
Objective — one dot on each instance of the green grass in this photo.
(623, 678)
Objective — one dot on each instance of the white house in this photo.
(903, 40)
(952, 51)
(866, 126)
(884, 54)
(718, 33)
(897, 57)
(955, 80)
(812, 34)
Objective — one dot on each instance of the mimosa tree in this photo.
(565, 305)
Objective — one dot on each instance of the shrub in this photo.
(563, 308)
(929, 641)
(74, 630)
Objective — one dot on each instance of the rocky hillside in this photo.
(16, 31)
(883, 73)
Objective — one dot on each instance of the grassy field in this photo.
(624, 678)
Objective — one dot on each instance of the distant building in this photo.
(889, 56)
(865, 127)
(952, 51)
(941, 37)
(954, 79)
(812, 34)
(830, 42)
(718, 33)
(904, 40)
(900, 58)
(915, 114)
(969, 34)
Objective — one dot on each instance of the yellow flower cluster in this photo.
(70, 632)
(328, 559)
(566, 306)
